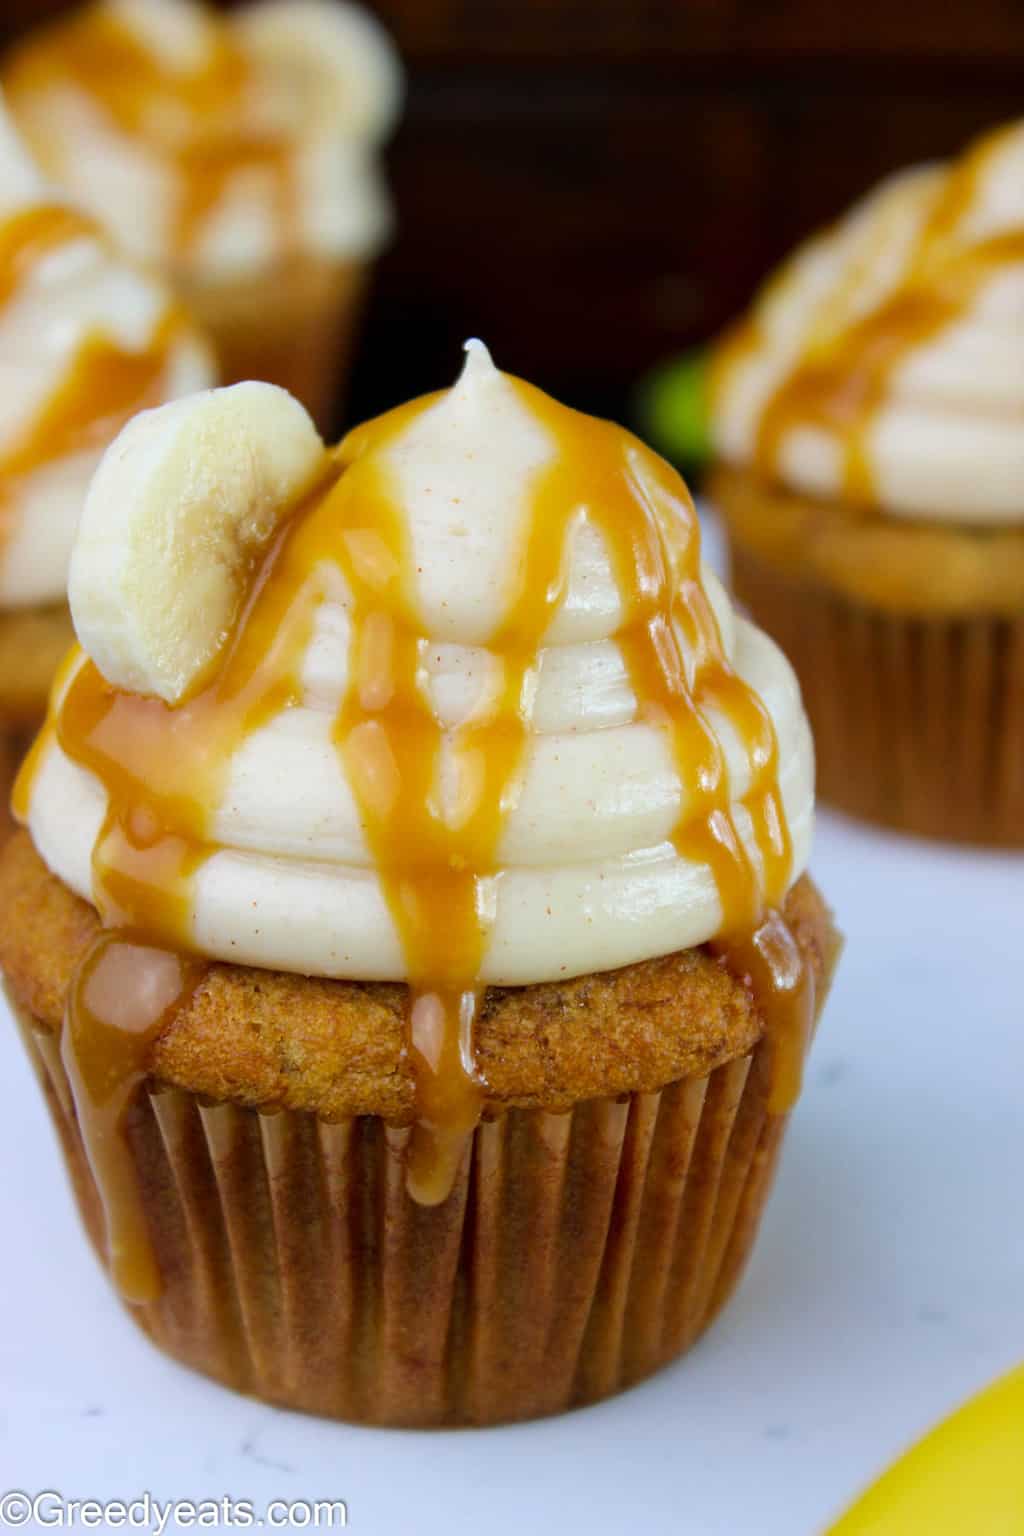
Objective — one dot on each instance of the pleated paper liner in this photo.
(918, 721)
(11, 752)
(577, 1253)
(295, 326)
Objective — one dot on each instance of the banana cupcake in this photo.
(868, 418)
(411, 928)
(86, 341)
(237, 155)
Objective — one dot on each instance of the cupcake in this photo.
(85, 342)
(410, 926)
(868, 419)
(236, 154)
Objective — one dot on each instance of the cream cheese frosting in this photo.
(589, 870)
(85, 342)
(884, 363)
(215, 144)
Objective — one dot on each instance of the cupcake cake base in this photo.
(590, 1235)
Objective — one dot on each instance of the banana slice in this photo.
(183, 501)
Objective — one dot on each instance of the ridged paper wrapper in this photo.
(918, 720)
(578, 1251)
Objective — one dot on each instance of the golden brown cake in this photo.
(867, 420)
(411, 931)
(236, 155)
(626, 1129)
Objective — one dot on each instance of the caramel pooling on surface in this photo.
(163, 767)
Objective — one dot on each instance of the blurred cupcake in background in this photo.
(868, 422)
(86, 341)
(236, 154)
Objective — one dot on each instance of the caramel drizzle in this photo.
(103, 385)
(843, 380)
(654, 548)
(123, 995)
(390, 743)
(206, 141)
(164, 768)
(768, 961)
(31, 234)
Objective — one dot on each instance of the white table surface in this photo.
(887, 1283)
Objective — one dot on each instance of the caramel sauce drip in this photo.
(653, 543)
(164, 767)
(845, 376)
(390, 743)
(123, 994)
(438, 858)
(103, 386)
(193, 118)
(31, 234)
(768, 962)
(654, 547)
(162, 770)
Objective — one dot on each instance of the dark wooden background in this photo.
(592, 184)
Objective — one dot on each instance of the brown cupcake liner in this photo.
(294, 326)
(918, 721)
(577, 1253)
(12, 748)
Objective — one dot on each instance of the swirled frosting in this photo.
(85, 342)
(210, 143)
(591, 835)
(884, 363)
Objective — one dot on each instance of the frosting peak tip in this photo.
(479, 364)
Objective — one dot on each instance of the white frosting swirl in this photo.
(324, 82)
(934, 261)
(76, 293)
(587, 877)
